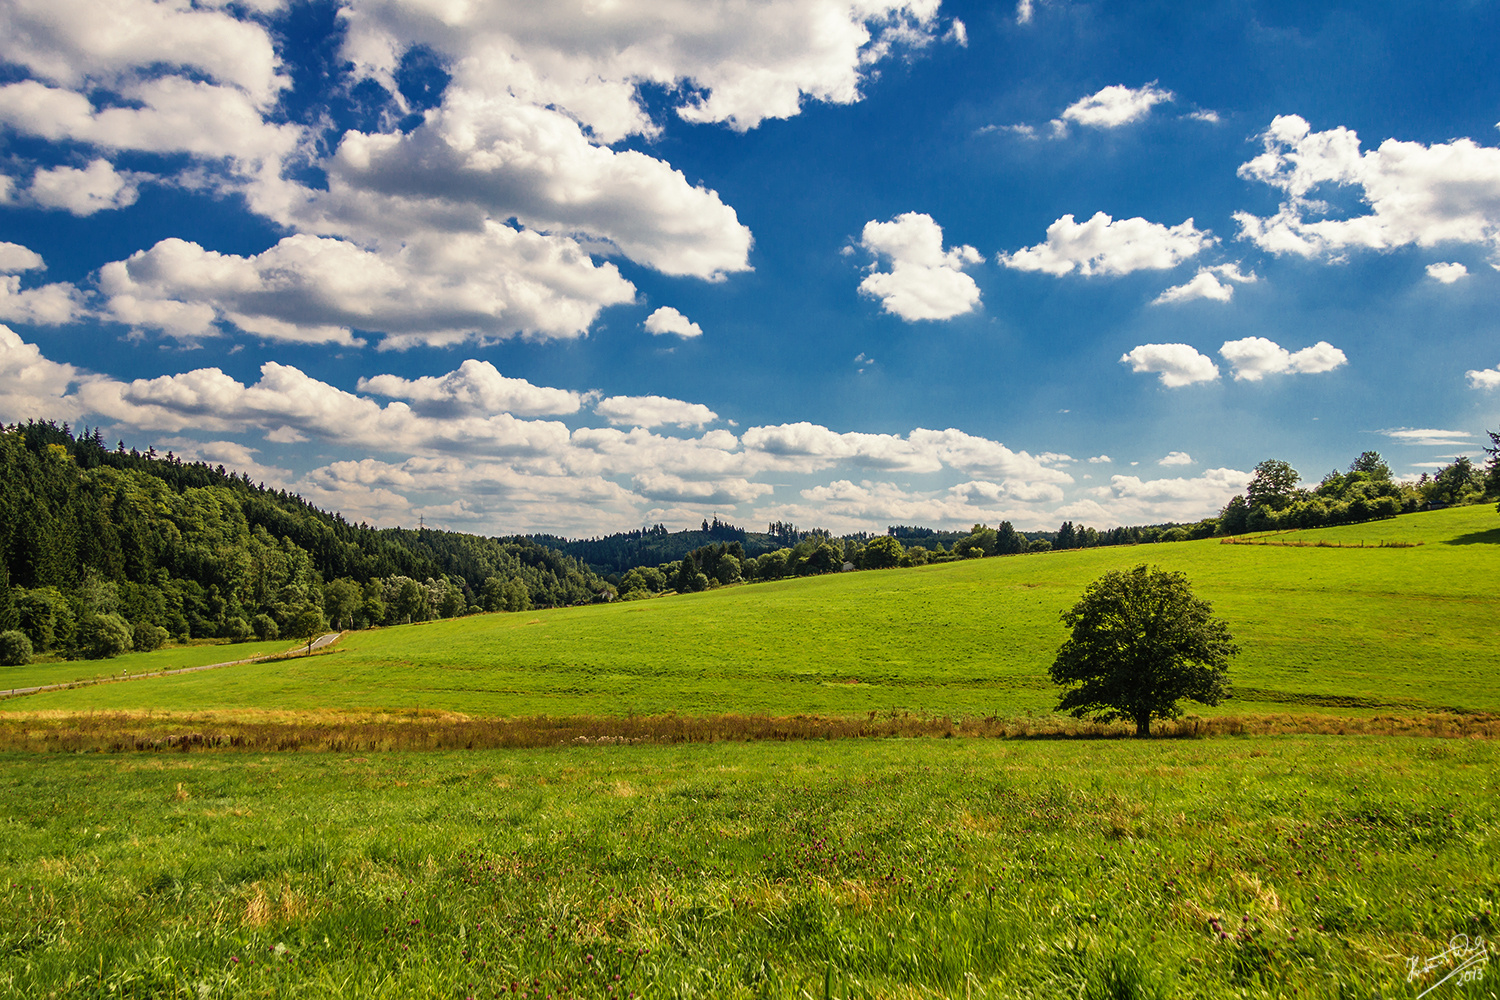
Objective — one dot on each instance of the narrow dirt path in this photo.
(318, 643)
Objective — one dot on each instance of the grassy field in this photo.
(53, 671)
(1265, 867)
(1372, 629)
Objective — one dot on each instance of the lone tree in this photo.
(306, 625)
(1141, 642)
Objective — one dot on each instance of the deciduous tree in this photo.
(1141, 642)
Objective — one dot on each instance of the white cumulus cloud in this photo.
(435, 290)
(475, 387)
(1177, 364)
(1116, 105)
(925, 281)
(14, 258)
(1103, 245)
(1484, 378)
(653, 411)
(32, 387)
(1253, 358)
(95, 188)
(1176, 458)
(1213, 283)
(1416, 194)
(1447, 273)
(669, 320)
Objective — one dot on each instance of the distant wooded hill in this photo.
(104, 549)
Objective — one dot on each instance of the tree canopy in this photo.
(1141, 642)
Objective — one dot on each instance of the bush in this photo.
(15, 648)
(148, 637)
(237, 629)
(103, 636)
(265, 628)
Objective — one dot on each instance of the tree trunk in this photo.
(1142, 727)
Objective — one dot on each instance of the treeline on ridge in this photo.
(102, 551)
(1274, 500)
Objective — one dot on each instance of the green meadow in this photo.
(1306, 866)
(58, 671)
(1299, 865)
(1358, 625)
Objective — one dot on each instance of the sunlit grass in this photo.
(1254, 867)
(1356, 629)
(59, 671)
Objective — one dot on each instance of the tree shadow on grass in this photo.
(1491, 537)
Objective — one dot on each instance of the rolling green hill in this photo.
(1373, 628)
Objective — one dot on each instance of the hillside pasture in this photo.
(1372, 629)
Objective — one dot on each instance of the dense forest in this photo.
(110, 550)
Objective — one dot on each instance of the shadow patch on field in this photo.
(1490, 537)
(1334, 700)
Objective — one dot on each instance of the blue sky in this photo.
(577, 268)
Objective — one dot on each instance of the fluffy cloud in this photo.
(209, 400)
(476, 387)
(674, 489)
(1177, 364)
(1447, 273)
(491, 156)
(1253, 358)
(14, 258)
(77, 42)
(1105, 246)
(1132, 500)
(169, 114)
(1116, 105)
(1214, 283)
(1423, 195)
(31, 387)
(1176, 458)
(805, 446)
(495, 497)
(1484, 378)
(924, 282)
(653, 411)
(95, 188)
(744, 63)
(669, 320)
(49, 305)
(434, 290)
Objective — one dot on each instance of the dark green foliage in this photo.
(46, 618)
(15, 648)
(1274, 485)
(1458, 483)
(1365, 493)
(147, 637)
(103, 636)
(199, 551)
(265, 628)
(882, 553)
(237, 630)
(1140, 643)
(306, 625)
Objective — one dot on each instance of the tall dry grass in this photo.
(119, 732)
